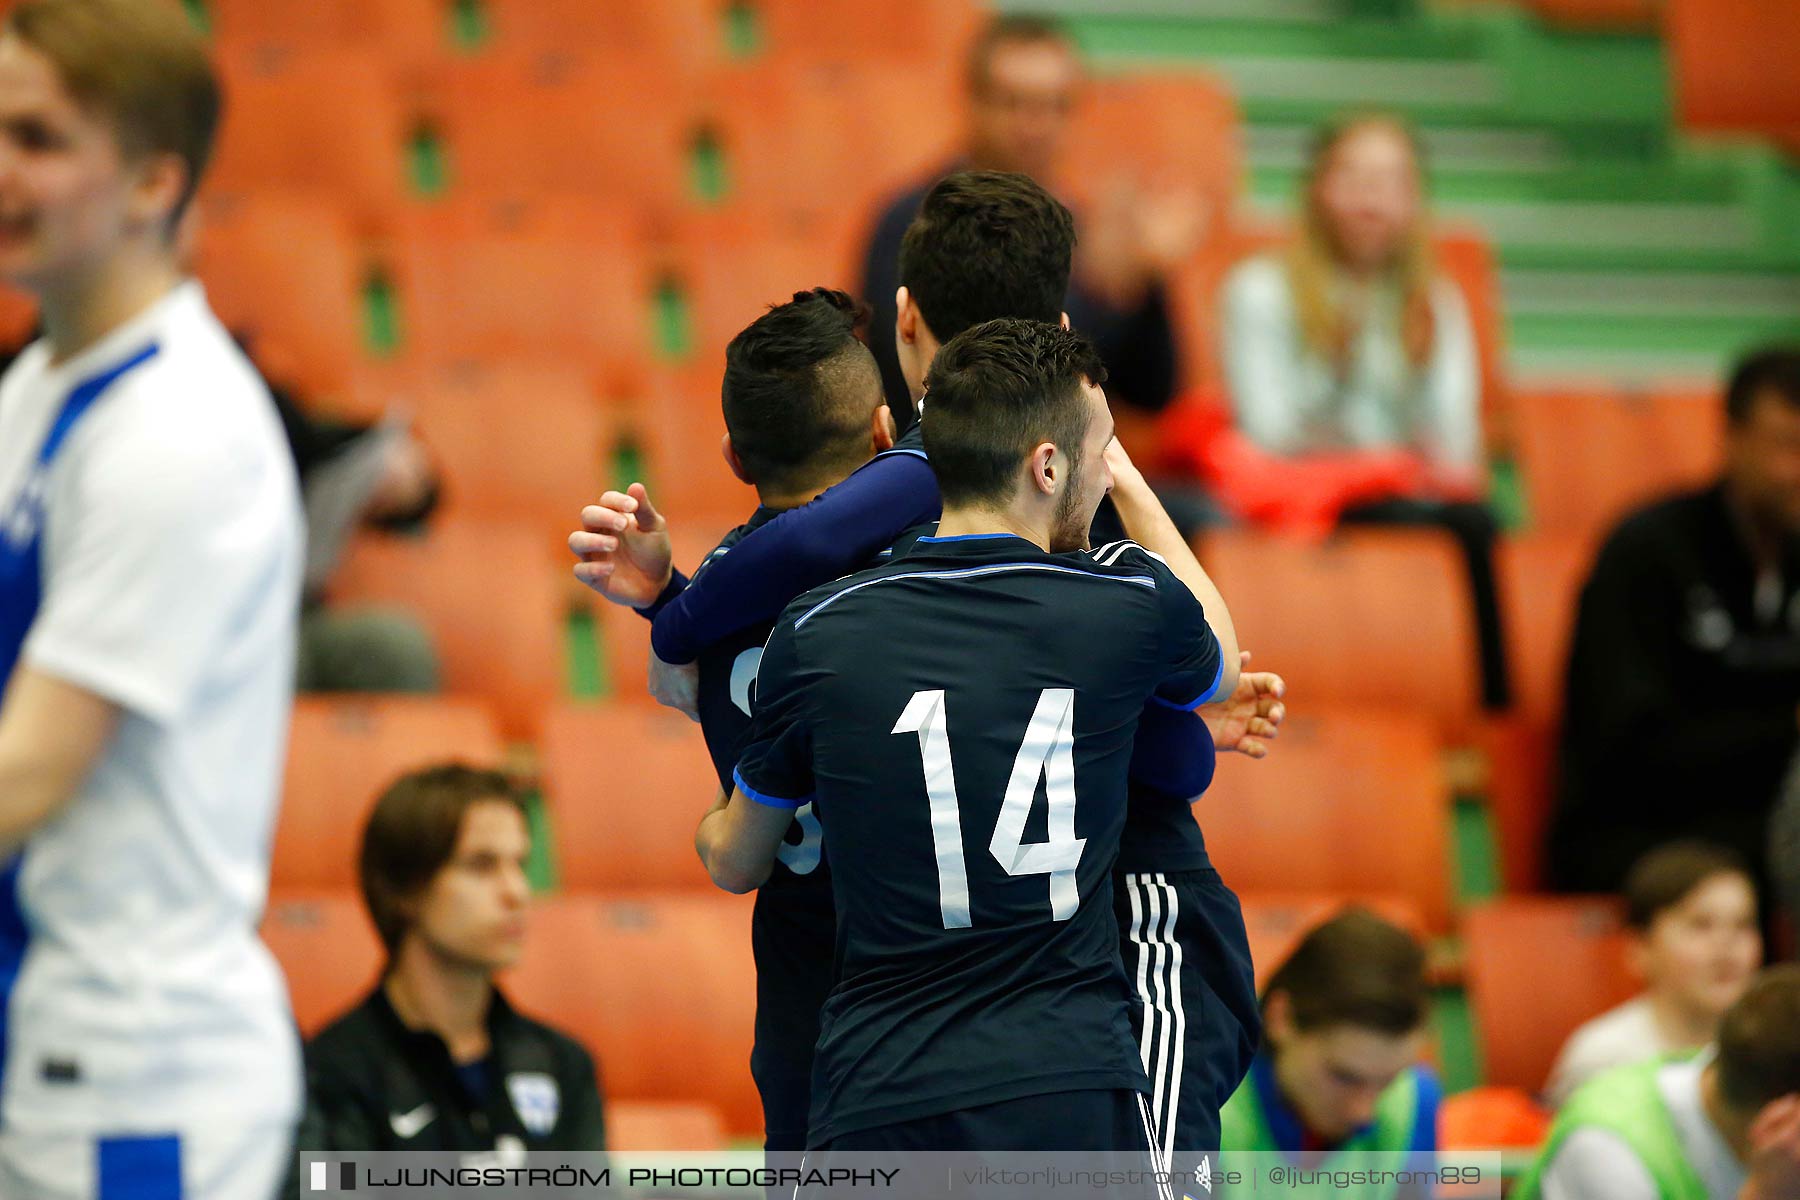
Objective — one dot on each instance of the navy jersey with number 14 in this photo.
(962, 720)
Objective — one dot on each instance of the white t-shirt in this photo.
(1290, 401)
(170, 570)
(1597, 1164)
(1620, 1037)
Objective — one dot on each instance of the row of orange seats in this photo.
(813, 137)
(659, 981)
(685, 35)
(1355, 800)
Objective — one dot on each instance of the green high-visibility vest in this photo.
(1244, 1125)
(1628, 1104)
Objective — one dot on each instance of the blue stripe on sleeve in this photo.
(763, 798)
(1206, 697)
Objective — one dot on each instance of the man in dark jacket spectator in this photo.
(435, 1058)
(1024, 78)
(1684, 677)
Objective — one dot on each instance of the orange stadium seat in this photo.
(1158, 129)
(327, 949)
(1591, 456)
(1520, 791)
(326, 122)
(553, 123)
(1371, 616)
(633, 1125)
(18, 318)
(625, 785)
(682, 35)
(480, 288)
(732, 267)
(1731, 65)
(639, 981)
(1540, 578)
(516, 441)
(491, 595)
(1277, 921)
(1352, 801)
(1489, 1118)
(1511, 945)
(924, 32)
(408, 33)
(825, 144)
(285, 273)
(342, 752)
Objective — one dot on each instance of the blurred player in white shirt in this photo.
(150, 557)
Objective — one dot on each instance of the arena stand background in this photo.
(535, 223)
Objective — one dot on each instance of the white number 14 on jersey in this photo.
(1047, 753)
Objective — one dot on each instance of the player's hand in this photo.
(1248, 719)
(623, 545)
(1775, 1152)
(677, 687)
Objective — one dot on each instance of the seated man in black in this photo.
(435, 1058)
(1684, 676)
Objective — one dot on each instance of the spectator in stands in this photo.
(1024, 79)
(1692, 912)
(1724, 1125)
(435, 1058)
(1684, 673)
(358, 649)
(1344, 1029)
(1352, 366)
(354, 475)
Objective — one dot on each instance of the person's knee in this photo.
(367, 650)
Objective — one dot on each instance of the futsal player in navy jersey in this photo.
(995, 245)
(980, 1002)
(803, 408)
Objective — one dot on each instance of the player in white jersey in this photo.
(150, 558)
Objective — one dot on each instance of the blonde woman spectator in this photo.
(1692, 911)
(1349, 351)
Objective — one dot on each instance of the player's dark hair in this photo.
(986, 245)
(1772, 369)
(800, 388)
(1759, 1041)
(1668, 875)
(1005, 30)
(411, 835)
(994, 393)
(1355, 969)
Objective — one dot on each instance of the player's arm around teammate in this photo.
(1151, 527)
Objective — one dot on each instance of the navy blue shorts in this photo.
(1194, 1007)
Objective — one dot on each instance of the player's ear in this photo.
(1065, 321)
(883, 430)
(1045, 469)
(733, 461)
(161, 180)
(906, 320)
